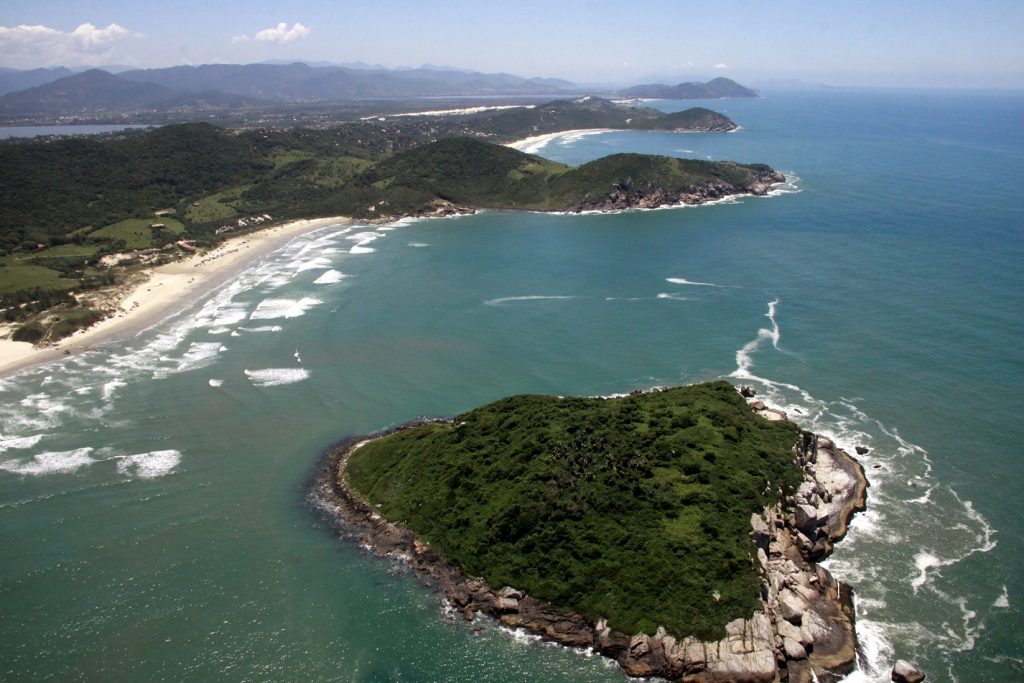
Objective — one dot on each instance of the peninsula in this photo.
(676, 531)
(85, 216)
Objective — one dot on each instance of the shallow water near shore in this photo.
(153, 494)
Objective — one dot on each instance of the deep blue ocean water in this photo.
(153, 508)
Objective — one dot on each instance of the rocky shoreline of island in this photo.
(804, 630)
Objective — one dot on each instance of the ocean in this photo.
(154, 509)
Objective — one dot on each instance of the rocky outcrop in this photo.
(625, 196)
(803, 631)
(905, 672)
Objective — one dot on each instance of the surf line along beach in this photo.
(164, 290)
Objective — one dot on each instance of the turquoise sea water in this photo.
(153, 494)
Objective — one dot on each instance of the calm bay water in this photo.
(71, 129)
(153, 508)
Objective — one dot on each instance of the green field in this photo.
(136, 233)
(19, 274)
(635, 509)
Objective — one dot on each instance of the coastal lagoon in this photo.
(153, 492)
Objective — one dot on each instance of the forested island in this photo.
(677, 530)
(78, 212)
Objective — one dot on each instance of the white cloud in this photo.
(721, 67)
(240, 39)
(282, 34)
(26, 46)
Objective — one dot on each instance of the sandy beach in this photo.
(166, 289)
(532, 144)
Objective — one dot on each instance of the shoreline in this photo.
(805, 626)
(163, 290)
(542, 140)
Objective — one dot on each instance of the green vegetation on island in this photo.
(635, 509)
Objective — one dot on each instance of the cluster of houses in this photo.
(243, 223)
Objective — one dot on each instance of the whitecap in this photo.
(19, 442)
(216, 382)
(261, 328)
(505, 299)
(684, 281)
(674, 297)
(330, 277)
(50, 463)
(419, 245)
(357, 249)
(1003, 601)
(148, 465)
(269, 309)
(924, 561)
(218, 330)
(272, 377)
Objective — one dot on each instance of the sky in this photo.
(895, 43)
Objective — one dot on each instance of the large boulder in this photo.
(905, 672)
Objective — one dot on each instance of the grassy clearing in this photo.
(19, 275)
(636, 509)
(136, 233)
(222, 206)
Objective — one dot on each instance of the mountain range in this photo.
(42, 93)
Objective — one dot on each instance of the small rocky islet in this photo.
(796, 623)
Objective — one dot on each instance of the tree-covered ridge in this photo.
(470, 172)
(636, 509)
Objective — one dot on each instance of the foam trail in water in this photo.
(270, 309)
(684, 281)
(744, 362)
(534, 297)
(148, 465)
(50, 463)
(674, 297)
(272, 377)
(19, 442)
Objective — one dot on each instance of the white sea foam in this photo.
(329, 277)
(270, 309)
(684, 281)
(297, 355)
(50, 463)
(359, 249)
(924, 561)
(262, 328)
(674, 297)
(272, 377)
(148, 465)
(19, 442)
(216, 382)
(744, 362)
(506, 299)
(418, 245)
(218, 330)
(1003, 601)
(314, 264)
(110, 387)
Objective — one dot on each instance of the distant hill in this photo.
(715, 89)
(12, 80)
(96, 90)
(303, 82)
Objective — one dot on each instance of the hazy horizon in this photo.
(915, 44)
